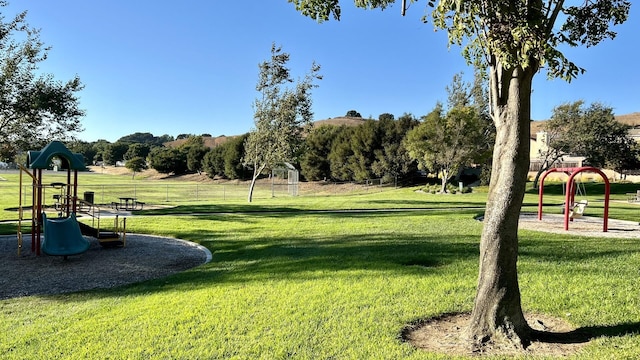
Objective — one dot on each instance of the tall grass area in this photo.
(327, 284)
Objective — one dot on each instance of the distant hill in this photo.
(341, 120)
(212, 142)
(209, 142)
(632, 119)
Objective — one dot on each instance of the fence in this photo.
(163, 193)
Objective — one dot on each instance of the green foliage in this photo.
(194, 152)
(353, 113)
(341, 154)
(445, 143)
(136, 164)
(114, 152)
(145, 138)
(527, 35)
(364, 141)
(184, 136)
(280, 114)
(226, 159)
(137, 150)
(195, 156)
(392, 160)
(315, 162)
(213, 162)
(386, 116)
(592, 132)
(88, 150)
(36, 108)
(168, 160)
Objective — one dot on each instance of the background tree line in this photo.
(442, 143)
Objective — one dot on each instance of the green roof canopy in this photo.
(41, 159)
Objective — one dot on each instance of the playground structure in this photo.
(63, 236)
(573, 209)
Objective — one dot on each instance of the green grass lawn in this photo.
(328, 285)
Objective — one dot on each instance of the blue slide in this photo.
(62, 237)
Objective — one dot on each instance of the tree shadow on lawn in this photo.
(273, 256)
(385, 205)
(299, 258)
(587, 333)
(296, 258)
(563, 248)
(426, 203)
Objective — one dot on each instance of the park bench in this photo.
(633, 197)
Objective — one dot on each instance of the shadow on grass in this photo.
(272, 256)
(587, 333)
(302, 257)
(373, 205)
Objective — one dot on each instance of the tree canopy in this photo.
(593, 132)
(34, 108)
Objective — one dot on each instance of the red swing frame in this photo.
(571, 192)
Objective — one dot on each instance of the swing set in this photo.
(572, 208)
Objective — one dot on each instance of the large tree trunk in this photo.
(497, 311)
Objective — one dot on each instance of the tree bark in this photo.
(497, 311)
(257, 170)
(445, 178)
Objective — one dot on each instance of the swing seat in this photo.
(578, 209)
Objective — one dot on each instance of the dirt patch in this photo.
(445, 335)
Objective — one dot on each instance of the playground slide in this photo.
(106, 238)
(62, 237)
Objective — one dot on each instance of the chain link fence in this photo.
(167, 193)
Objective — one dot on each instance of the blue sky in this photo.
(191, 66)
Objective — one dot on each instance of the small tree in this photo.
(194, 151)
(591, 132)
(279, 115)
(386, 116)
(446, 143)
(341, 154)
(136, 164)
(137, 150)
(602, 140)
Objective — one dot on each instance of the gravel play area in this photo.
(583, 226)
(143, 258)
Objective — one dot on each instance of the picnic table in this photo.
(129, 203)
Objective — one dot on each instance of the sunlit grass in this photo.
(288, 282)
